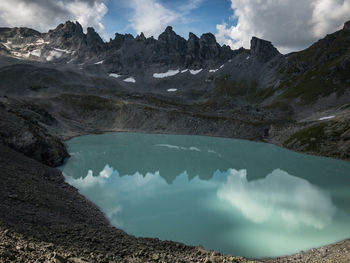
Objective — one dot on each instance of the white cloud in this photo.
(151, 17)
(47, 14)
(290, 24)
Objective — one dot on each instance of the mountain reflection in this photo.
(294, 200)
(183, 188)
(279, 194)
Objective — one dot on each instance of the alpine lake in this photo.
(233, 196)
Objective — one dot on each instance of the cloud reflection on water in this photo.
(292, 199)
(90, 180)
(279, 195)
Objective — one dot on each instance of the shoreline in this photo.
(203, 135)
(299, 254)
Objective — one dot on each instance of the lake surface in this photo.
(234, 196)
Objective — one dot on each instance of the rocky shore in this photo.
(43, 219)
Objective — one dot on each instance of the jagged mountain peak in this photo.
(141, 37)
(192, 36)
(263, 50)
(347, 26)
(170, 35)
(69, 27)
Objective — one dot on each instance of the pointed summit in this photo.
(263, 50)
(347, 26)
(169, 29)
(141, 37)
(168, 35)
(93, 38)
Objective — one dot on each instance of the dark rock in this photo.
(263, 50)
(141, 37)
(209, 48)
(347, 26)
(93, 39)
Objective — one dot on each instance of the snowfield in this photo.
(169, 73)
(114, 75)
(195, 72)
(326, 118)
(131, 80)
(171, 90)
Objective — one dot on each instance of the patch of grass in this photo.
(258, 95)
(310, 138)
(280, 105)
(320, 70)
(225, 87)
(248, 89)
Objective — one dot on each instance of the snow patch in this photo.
(114, 75)
(214, 70)
(195, 72)
(36, 53)
(169, 73)
(131, 80)
(326, 118)
(247, 57)
(171, 90)
(53, 55)
(183, 71)
(62, 50)
(7, 44)
(99, 63)
(41, 41)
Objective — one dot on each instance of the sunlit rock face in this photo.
(234, 196)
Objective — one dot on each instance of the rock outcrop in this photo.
(22, 127)
(262, 50)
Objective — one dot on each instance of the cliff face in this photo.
(263, 50)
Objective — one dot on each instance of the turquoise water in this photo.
(233, 196)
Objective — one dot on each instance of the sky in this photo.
(291, 25)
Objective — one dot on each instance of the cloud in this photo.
(279, 195)
(290, 24)
(47, 14)
(151, 17)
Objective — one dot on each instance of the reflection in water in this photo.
(171, 187)
(293, 199)
(192, 148)
(90, 180)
